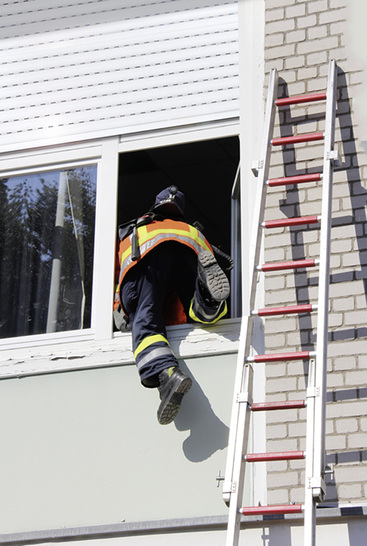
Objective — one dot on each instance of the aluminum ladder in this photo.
(315, 402)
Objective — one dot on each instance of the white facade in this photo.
(83, 455)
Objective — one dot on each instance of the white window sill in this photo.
(72, 351)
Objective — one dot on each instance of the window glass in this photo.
(46, 251)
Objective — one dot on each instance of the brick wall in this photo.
(301, 38)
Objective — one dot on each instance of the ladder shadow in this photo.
(358, 196)
(290, 207)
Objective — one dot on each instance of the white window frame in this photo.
(79, 349)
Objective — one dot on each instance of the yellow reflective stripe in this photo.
(196, 319)
(147, 341)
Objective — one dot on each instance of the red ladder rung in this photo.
(271, 406)
(274, 456)
(267, 510)
(284, 310)
(292, 264)
(289, 222)
(310, 137)
(279, 357)
(299, 179)
(286, 101)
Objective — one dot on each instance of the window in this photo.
(205, 171)
(46, 251)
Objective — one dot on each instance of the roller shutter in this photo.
(88, 69)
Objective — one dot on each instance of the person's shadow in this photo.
(208, 433)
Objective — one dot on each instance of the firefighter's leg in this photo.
(197, 282)
(143, 295)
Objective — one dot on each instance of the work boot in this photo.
(213, 281)
(173, 386)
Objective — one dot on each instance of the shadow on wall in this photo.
(208, 433)
(358, 218)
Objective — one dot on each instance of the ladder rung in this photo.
(310, 137)
(265, 510)
(292, 264)
(285, 222)
(299, 179)
(278, 357)
(285, 310)
(274, 456)
(286, 101)
(271, 406)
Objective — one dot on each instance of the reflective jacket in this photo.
(151, 235)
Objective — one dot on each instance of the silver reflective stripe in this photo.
(198, 314)
(159, 351)
(199, 311)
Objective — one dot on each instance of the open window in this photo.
(206, 171)
(46, 251)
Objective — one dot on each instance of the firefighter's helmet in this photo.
(170, 203)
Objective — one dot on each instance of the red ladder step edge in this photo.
(310, 137)
(285, 310)
(274, 456)
(284, 222)
(292, 264)
(286, 101)
(269, 406)
(279, 357)
(265, 510)
(299, 179)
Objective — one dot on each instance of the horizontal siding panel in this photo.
(132, 75)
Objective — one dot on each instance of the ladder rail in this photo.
(309, 507)
(324, 275)
(246, 324)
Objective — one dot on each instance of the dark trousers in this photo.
(169, 266)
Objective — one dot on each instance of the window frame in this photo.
(76, 349)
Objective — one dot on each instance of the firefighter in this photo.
(167, 274)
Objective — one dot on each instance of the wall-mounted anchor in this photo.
(219, 478)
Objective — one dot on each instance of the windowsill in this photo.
(78, 350)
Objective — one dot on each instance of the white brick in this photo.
(288, 479)
(271, 4)
(337, 442)
(318, 45)
(344, 363)
(295, 11)
(281, 385)
(296, 36)
(332, 15)
(349, 492)
(317, 6)
(285, 25)
(274, 40)
(274, 14)
(308, 21)
(346, 425)
(280, 51)
(348, 474)
(317, 31)
(276, 432)
(313, 59)
(282, 445)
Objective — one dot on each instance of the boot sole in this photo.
(170, 407)
(213, 277)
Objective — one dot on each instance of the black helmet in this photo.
(170, 202)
